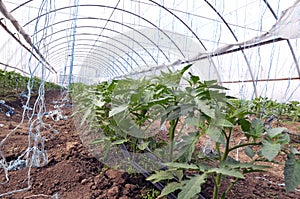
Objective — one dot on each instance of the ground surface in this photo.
(72, 172)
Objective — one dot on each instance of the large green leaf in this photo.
(115, 110)
(125, 124)
(215, 134)
(224, 123)
(120, 141)
(161, 175)
(270, 150)
(256, 130)
(164, 100)
(181, 165)
(143, 145)
(230, 163)
(218, 96)
(85, 116)
(205, 108)
(273, 132)
(174, 112)
(194, 79)
(227, 171)
(170, 187)
(192, 187)
(185, 68)
(292, 173)
(186, 147)
(194, 121)
(245, 124)
(172, 79)
(249, 152)
(240, 112)
(283, 139)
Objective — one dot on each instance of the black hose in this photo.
(145, 173)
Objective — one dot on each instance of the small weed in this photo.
(151, 194)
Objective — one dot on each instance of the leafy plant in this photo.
(12, 81)
(151, 194)
(218, 122)
(268, 110)
(127, 112)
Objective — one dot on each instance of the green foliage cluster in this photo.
(151, 194)
(126, 110)
(10, 80)
(265, 108)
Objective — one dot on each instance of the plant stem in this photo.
(243, 145)
(218, 150)
(222, 158)
(172, 135)
(230, 187)
(217, 186)
(227, 145)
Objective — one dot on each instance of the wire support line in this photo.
(105, 25)
(73, 35)
(172, 9)
(288, 41)
(202, 17)
(35, 155)
(236, 39)
(188, 27)
(206, 55)
(49, 67)
(21, 31)
(19, 6)
(261, 80)
(16, 68)
(203, 56)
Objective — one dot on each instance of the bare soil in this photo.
(72, 172)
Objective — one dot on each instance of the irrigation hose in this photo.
(145, 173)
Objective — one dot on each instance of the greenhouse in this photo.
(149, 99)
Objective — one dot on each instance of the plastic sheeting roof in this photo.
(97, 40)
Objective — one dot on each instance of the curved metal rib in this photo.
(236, 39)
(109, 50)
(104, 53)
(288, 41)
(100, 47)
(101, 60)
(79, 27)
(94, 18)
(91, 34)
(110, 7)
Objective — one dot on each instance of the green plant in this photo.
(10, 81)
(128, 110)
(265, 108)
(293, 110)
(151, 194)
(218, 121)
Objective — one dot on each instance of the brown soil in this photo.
(72, 172)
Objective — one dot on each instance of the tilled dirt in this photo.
(72, 172)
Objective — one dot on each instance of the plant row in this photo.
(132, 112)
(265, 108)
(10, 80)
